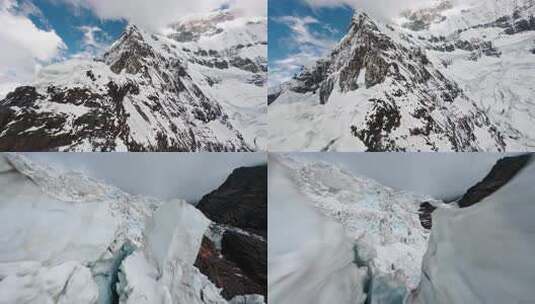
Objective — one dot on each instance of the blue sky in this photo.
(36, 33)
(299, 34)
(73, 24)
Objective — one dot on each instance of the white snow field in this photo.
(67, 238)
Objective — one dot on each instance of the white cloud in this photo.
(24, 46)
(309, 46)
(155, 14)
(382, 9)
(95, 41)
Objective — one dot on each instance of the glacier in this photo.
(67, 238)
(490, 264)
(330, 229)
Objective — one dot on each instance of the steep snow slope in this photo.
(69, 239)
(488, 48)
(191, 88)
(375, 216)
(493, 262)
(453, 77)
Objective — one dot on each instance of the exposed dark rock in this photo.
(248, 252)
(504, 170)
(241, 201)
(226, 274)
(383, 118)
(425, 213)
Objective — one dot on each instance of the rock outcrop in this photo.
(239, 209)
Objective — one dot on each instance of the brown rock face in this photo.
(425, 213)
(248, 252)
(240, 267)
(504, 170)
(241, 201)
(225, 274)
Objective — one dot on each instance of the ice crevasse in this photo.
(480, 254)
(67, 238)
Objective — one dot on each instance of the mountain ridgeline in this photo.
(149, 92)
(407, 86)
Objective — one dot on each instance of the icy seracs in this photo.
(378, 219)
(311, 260)
(69, 239)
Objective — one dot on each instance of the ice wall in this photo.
(310, 259)
(66, 238)
(484, 253)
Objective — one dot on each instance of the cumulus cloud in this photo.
(308, 46)
(25, 47)
(94, 42)
(155, 14)
(382, 9)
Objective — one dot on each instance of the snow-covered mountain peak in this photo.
(150, 92)
(385, 95)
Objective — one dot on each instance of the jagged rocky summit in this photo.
(197, 87)
(426, 82)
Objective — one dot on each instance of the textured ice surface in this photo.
(483, 254)
(374, 215)
(67, 238)
(310, 259)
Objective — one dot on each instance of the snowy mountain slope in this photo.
(375, 216)
(150, 92)
(70, 239)
(445, 78)
(487, 47)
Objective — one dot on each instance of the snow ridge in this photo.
(187, 89)
(443, 78)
